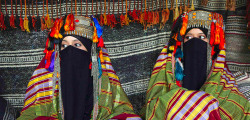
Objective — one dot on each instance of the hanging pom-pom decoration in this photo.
(101, 56)
(134, 15)
(55, 30)
(26, 24)
(12, 17)
(122, 20)
(113, 21)
(176, 11)
(100, 43)
(178, 65)
(12, 21)
(48, 21)
(212, 33)
(26, 21)
(101, 20)
(217, 34)
(2, 25)
(108, 15)
(184, 25)
(70, 23)
(104, 14)
(165, 16)
(127, 20)
(98, 27)
(34, 20)
(192, 6)
(178, 70)
(95, 38)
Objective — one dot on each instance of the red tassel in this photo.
(134, 15)
(113, 21)
(217, 34)
(12, 21)
(70, 23)
(21, 23)
(122, 20)
(34, 20)
(101, 20)
(109, 20)
(212, 34)
(48, 58)
(178, 83)
(2, 25)
(100, 43)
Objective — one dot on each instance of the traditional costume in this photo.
(74, 84)
(195, 83)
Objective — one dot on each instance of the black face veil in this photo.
(195, 62)
(76, 81)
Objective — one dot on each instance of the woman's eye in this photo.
(64, 46)
(202, 37)
(77, 45)
(188, 37)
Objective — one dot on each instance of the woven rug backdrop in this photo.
(133, 51)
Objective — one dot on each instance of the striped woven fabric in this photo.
(112, 99)
(218, 98)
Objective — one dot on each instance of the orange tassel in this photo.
(43, 26)
(101, 56)
(156, 18)
(12, 21)
(142, 18)
(184, 25)
(70, 23)
(26, 24)
(165, 16)
(127, 20)
(2, 25)
(105, 19)
(48, 22)
(21, 23)
(95, 37)
(55, 30)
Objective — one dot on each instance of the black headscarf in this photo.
(76, 81)
(195, 62)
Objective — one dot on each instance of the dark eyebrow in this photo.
(201, 33)
(65, 40)
(76, 40)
